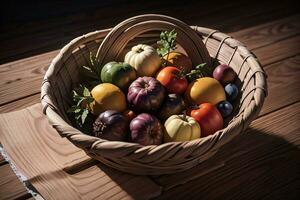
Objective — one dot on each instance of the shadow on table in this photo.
(256, 164)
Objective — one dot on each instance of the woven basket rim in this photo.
(92, 144)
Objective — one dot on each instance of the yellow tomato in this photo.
(179, 60)
(205, 90)
(107, 97)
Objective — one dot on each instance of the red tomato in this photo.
(170, 78)
(208, 117)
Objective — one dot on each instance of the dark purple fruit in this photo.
(111, 125)
(145, 94)
(231, 91)
(224, 74)
(225, 108)
(146, 129)
(173, 105)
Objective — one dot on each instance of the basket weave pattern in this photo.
(63, 75)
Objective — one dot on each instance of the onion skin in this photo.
(145, 94)
(111, 125)
(146, 129)
(224, 74)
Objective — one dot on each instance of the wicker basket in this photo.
(63, 75)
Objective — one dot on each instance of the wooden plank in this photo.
(269, 33)
(284, 192)
(18, 81)
(279, 90)
(255, 164)
(283, 84)
(23, 77)
(278, 51)
(20, 104)
(44, 158)
(279, 93)
(10, 186)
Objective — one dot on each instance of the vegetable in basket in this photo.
(146, 129)
(181, 128)
(173, 105)
(118, 73)
(205, 90)
(208, 117)
(111, 125)
(145, 94)
(107, 97)
(179, 60)
(224, 74)
(144, 59)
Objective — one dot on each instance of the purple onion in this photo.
(146, 129)
(224, 74)
(111, 125)
(145, 94)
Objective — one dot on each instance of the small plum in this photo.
(225, 108)
(231, 91)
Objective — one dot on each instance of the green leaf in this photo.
(78, 110)
(89, 73)
(80, 101)
(200, 66)
(89, 99)
(167, 42)
(84, 115)
(73, 109)
(86, 92)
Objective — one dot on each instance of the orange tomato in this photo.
(171, 79)
(179, 60)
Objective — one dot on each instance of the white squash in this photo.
(181, 128)
(144, 59)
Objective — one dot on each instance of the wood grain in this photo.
(249, 172)
(278, 51)
(23, 78)
(17, 81)
(283, 84)
(10, 186)
(256, 164)
(42, 158)
(21, 103)
(269, 33)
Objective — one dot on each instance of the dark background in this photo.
(33, 27)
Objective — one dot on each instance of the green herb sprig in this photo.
(80, 111)
(92, 71)
(201, 70)
(167, 43)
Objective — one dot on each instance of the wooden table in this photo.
(266, 166)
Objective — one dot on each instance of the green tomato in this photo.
(118, 73)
